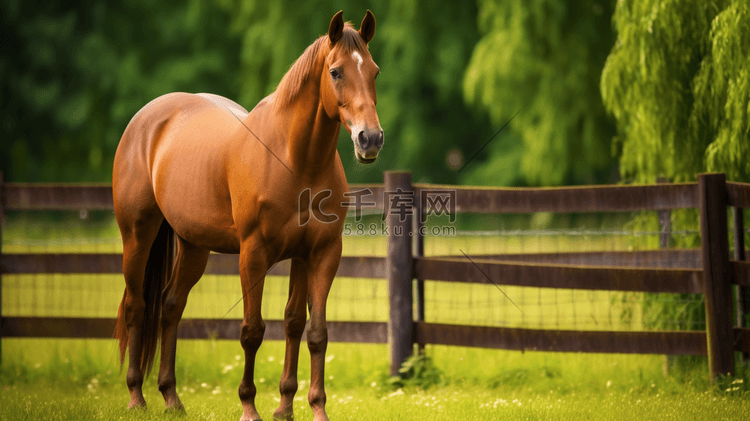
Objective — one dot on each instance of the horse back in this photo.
(223, 102)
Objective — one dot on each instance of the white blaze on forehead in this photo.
(356, 56)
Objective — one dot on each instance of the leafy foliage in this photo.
(417, 371)
(678, 82)
(74, 74)
(544, 58)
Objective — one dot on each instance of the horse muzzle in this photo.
(367, 145)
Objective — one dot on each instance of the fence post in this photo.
(665, 229)
(419, 252)
(398, 205)
(665, 221)
(712, 202)
(743, 293)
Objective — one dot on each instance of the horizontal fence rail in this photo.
(20, 196)
(677, 343)
(24, 196)
(486, 271)
(218, 264)
(74, 197)
(78, 327)
(670, 258)
(658, 271)
(584, 270)
(738, 194)
(571, 199)
(667, 343)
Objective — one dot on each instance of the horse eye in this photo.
(335, 74)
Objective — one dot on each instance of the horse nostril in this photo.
(363, 141)
(379, 140)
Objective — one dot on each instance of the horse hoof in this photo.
(321, 417)
(283, 417)
(137, 406)
(175, 410)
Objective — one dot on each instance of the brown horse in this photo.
(201, 172)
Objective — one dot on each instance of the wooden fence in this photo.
(707, 271)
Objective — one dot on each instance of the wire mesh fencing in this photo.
(496, 304)
(362, 299)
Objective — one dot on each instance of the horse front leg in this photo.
(295, 316)
(253, 267)
(322, 269)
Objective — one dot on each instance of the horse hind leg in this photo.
(190, 262)
(295, 316)
(138, 239)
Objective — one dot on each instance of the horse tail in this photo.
(158, 271)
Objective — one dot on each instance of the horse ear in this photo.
(367, 28)
(337, 27)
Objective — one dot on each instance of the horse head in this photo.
(348, 85)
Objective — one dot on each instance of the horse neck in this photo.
(311, 144)
(312, 135)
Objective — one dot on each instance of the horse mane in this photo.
(292, 82)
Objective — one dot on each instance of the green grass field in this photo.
(81, 379)
(24, 403)
(78, 380)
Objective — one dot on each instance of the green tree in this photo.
(544, 58)
(72, 76)
(678, 83)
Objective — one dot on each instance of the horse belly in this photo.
(197, 214)
(205, 228)
(191, 190)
